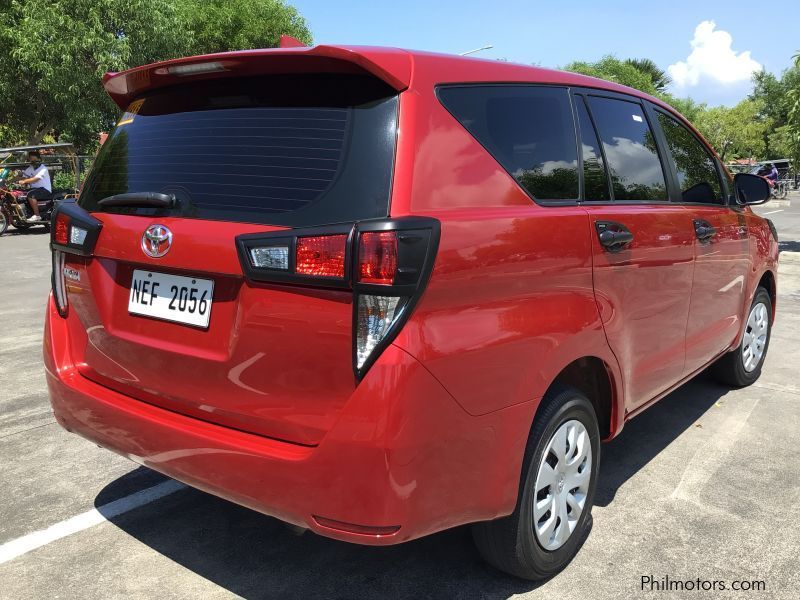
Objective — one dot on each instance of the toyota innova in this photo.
(378, 293)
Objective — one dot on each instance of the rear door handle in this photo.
(613, 236)
(704, 230)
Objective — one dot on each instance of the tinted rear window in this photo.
(528, 129)
(288, 150)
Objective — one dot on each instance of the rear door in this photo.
(721, 247)
(642, 244)
(240, 156)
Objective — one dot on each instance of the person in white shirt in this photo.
(37, 176)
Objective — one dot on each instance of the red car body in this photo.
(263, 407)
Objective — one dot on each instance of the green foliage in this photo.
(64, 180)
(658, 77)
(610, 68)
(791, 131)
(220, 25)
(55, 52)
(687, 107)
(736, 132)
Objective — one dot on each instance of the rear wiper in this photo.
(143, 199)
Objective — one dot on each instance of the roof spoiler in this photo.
(391, 65)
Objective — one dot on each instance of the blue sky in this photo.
(729, 39)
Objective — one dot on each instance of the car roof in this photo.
(399, 68)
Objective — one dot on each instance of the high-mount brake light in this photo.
(321, 255)
(377, 257)
(193, 69)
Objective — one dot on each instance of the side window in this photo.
(630, 149)
(595, 182)
(697, 172)
(529, 130)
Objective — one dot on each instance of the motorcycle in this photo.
(15, 210)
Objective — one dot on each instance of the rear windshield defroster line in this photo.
(283, 150)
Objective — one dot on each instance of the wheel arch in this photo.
(769, 283)
(596, 379)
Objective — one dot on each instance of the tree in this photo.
(220, 25)
(793, 118)
(734, 132)
(610, 68)
(774, 93)
(658, 77)
(55, 53)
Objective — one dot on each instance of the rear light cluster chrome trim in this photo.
(410, 252)
(72, 231)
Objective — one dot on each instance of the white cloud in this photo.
(713, 59)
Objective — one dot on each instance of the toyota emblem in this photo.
(156, 241)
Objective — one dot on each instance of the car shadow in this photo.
(255, 556)
(34, 230)
(645, 436)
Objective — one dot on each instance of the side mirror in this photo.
(750, 189)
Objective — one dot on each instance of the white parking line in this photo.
(37, 539)
(772, 212)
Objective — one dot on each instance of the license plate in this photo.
(175, 298)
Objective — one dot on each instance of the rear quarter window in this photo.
(529, 130)
(283, 150)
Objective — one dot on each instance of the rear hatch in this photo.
(235, 155)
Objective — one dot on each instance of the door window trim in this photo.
(662, 140)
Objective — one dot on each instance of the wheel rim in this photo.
(562, 484)
(754, 341)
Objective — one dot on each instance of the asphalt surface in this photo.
(703, 485)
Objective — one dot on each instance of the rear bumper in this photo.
(403, 460)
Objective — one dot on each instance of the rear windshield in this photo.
(283, 150)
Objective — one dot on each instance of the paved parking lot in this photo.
(706, 485)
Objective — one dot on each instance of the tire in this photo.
(511, 544)
(3, 222)
(735, 368)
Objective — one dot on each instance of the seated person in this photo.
(37, 176)
(772, 175)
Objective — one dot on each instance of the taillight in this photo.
(61, 229)
(386, 263)
(73, 231)
(59, 283)
(375, 316)
(377, 257)
(321, 255)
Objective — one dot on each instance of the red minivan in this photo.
(378, 293)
